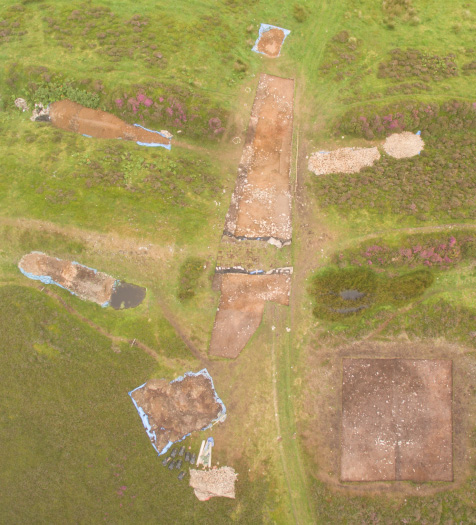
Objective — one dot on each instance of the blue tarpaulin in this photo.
(154, 144)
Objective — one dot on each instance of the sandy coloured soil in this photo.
(403, 145)
(397, 420)
(176, 408)
(84, 282)
(342, 160)
(261, 203)
(241, 308)
(211, 483)
(71, 116)
(270, 42)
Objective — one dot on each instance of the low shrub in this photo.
(189, 275)
(339, 293)
(415, 63)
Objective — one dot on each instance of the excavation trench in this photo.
(260, 210)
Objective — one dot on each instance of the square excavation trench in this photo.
(397, 420)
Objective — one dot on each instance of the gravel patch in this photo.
(403, 145)
(216, 482)
(343, 160)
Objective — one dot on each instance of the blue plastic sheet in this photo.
(145, 419)
(263, 29)
(154, 144)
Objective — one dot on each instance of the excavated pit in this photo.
(397, 420)
(71, 116)
(242, 302)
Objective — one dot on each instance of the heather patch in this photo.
(371, 122)
(342, 56)
(438, 184)
(12, 24)
(410, 63)
(432, 250)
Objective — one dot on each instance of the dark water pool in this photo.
(351, 295)
(127, 295)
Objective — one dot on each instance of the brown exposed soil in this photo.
(84, 282)
(261, 202)
(241, 308)
(321, 411)
(396, 420)
(175, 409)
(216, 482)
(71, 116)
(270, 42)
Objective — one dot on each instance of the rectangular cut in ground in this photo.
(241, 308)
(397, 420)
(86, 283)
(261, 202)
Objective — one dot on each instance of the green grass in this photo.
(192, 59)
(71, 436)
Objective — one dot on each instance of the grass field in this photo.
(362, 70)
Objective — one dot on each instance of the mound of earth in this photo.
(86, 283)
(403, 145)
(342, 160)
(71, 116)
(172, 410)
(241, 308)
(216, 482)
(270, 42)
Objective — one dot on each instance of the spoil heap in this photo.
(172, 410)
(403, 145)
(342, 160)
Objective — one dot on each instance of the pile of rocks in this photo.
(403, 145)
(215, 482)
(342, 160)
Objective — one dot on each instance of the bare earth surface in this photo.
(397, 420)
(216, 482)
(84, 282)
(342, 160)
(241, 308)
(71, 116)
(403, 145)
(175, 409)
(261, 202)
(270, 42)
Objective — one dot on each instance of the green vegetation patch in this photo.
(433, 250)
(73, 445)
(338, 293)
(408, 63)
(190, 272)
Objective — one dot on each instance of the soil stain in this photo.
(125, 295)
